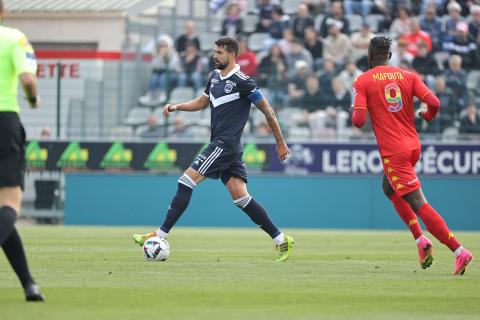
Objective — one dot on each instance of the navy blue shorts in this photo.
(215, 162)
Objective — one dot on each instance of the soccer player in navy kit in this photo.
(229, 93)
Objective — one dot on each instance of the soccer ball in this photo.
(156, 249)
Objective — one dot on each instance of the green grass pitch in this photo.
(98, 273)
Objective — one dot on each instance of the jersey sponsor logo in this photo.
(412, 181)
(117, 157)
(161, 158)
(74, 157)
(36, 156)
(25, 44)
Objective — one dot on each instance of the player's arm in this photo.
(422, 92)
(359, 114)
(267, 110)
(193, 105)
(25, 65)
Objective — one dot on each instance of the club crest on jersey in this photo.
(229, 86)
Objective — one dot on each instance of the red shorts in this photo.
(400, 171)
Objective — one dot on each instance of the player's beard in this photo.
(220, 65)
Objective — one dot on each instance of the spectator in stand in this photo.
(341, 98)
(192, 65)
(325, 79)
(360, 41)
(363, 7)
(474, 25)
(166, 68)
(400, 53)
(153, 130)
(246, 59)
(456, 79)
(45, 133)
(389, 8)
(424, 63)
(265, 16)
(302, 21)
(312, 97)
(463, 5)
(416, 36)
(450, 27)
(463, 45)
(335, 16)
(297, 83)
(280, 22)
(337, 45)
(179, 128)
(232, 25)
(348, 76)
(470, 122)
(298, 52)
(313, 44)
(401, 25)
(474, 29)
(432, 25)
(287, 41)
(272, 73)
(190, 36)
(450, 111)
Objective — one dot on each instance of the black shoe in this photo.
(32, 293)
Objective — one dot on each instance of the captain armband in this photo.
(256, 96)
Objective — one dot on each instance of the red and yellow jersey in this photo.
(387, 93)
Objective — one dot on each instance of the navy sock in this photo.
(179, 203)
(258, 215)
(13, 249)
(8, 216)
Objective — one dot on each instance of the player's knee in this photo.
(242, 202)
(187, 181)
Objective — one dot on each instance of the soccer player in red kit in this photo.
(387, 94)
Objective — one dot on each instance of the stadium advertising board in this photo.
(305, 159)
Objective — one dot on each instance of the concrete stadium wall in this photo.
(293, 202)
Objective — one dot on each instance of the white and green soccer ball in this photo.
(156, 249)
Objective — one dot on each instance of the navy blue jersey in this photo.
(230, 100)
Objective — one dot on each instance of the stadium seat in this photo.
(256, 40)
(120, 132)
(441, 57)
(216, 24)
(252, 7)
(249, 23)
(290, 6)
(137, 116)
(374, 20)
(355, 21)
(181, 94)
(207, 40)
(473, 80)
(299, 133)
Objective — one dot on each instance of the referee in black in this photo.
(17, 62)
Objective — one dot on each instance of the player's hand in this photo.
(169, 108)
(34, 104)
(425, 115)
(282, 151)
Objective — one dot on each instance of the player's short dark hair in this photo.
(229, 44)
(379, 48)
